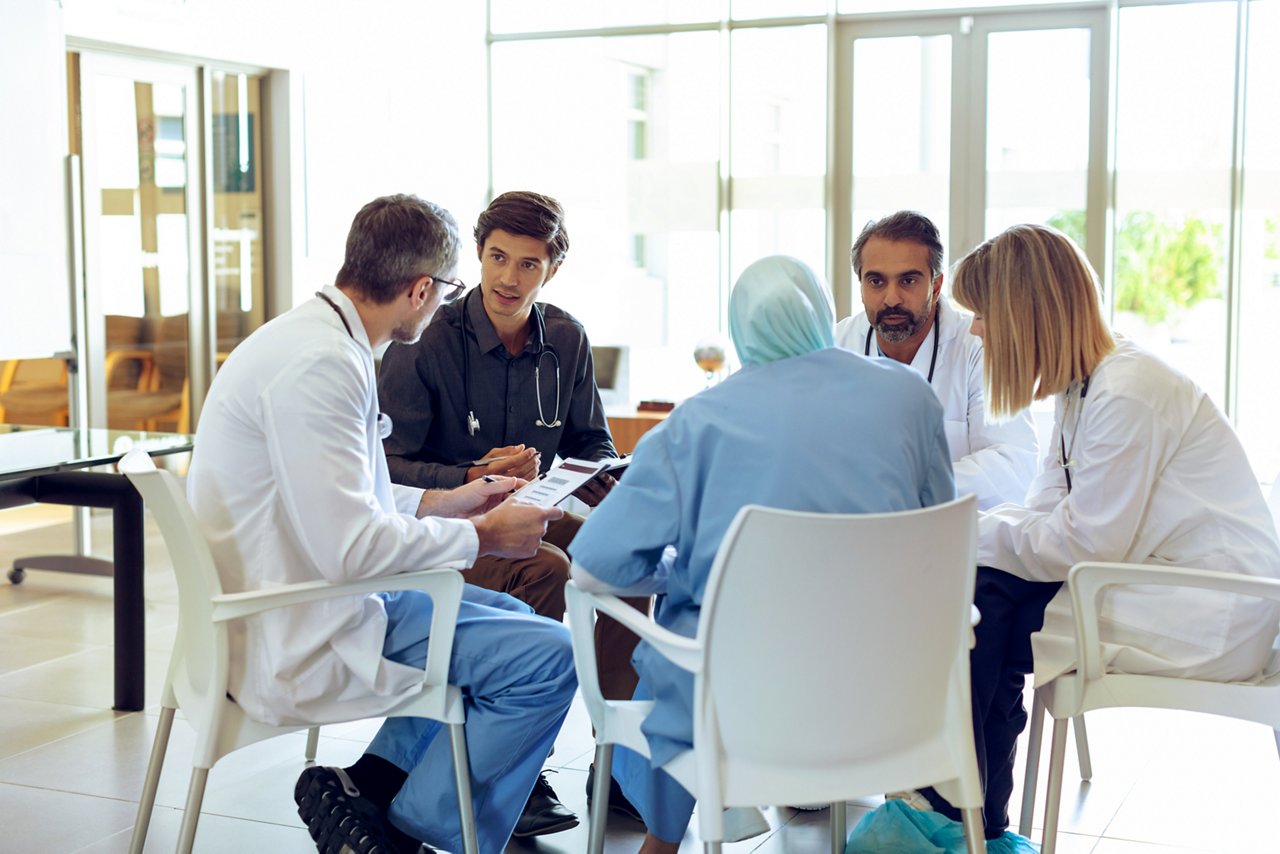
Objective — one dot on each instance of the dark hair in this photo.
(903, 225)
(393, 241)
(528, 214)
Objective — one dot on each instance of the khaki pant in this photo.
(538, 581)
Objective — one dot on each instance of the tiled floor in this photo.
(71, 769)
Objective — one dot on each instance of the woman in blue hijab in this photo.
(802, 426)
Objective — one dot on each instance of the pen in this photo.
(472, 463)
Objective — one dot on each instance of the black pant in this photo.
(1012, 610)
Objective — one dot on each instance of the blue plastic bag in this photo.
(896, 828)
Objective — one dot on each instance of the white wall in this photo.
(392, 96)
(35, 290)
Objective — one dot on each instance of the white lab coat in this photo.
(1158, 477)
(994, 461)
(290, 484)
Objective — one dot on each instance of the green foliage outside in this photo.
(1163, 265)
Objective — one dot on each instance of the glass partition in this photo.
(1173, 184)
(632, 153)
(238, 264)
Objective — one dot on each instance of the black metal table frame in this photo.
(113, 491)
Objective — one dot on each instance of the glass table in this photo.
(52, 465)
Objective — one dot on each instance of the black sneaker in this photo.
(340, 820)
(617, 801)
(543, 813)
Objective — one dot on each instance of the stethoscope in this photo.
(1064, 453)
(937, 336)
(384, 420)
(473, 423)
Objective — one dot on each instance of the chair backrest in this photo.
(838, 642)
(205, 649)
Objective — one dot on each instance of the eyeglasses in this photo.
(450, 289)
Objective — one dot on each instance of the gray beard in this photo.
(895, 334)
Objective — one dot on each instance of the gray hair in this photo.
(906, 226)
(394, 240)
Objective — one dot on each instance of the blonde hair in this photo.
(1039, 301)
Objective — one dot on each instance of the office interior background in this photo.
(179, 171)
(222, 147)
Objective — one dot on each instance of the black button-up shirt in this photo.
(425, 387)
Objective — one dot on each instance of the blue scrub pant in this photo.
(515, 670)
(665, 805)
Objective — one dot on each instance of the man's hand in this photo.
(513, 461)
(479, 496)
(514, 529)
(593, 491)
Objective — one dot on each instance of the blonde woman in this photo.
(1143, 468)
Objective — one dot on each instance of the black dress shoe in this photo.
(544, 813)
(617, 801)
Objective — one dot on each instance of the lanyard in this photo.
(333, 305)
(1064, 458)
(384, 421)
(937, 336)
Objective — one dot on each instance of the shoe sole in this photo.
(543, 831)
(333, 818)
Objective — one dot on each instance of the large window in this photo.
(686, 146)
(625, 132)
(1173, 184)
(776, 161)
(1258, 410)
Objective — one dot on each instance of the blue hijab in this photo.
(778, 309)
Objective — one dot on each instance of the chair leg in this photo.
(462, 779)
(191, 813)
(973, 837)
(600, 797)
(1082, 748)
(1032, 775)
(839, 827)
(313, 742)
(148, 801)
(711, 847)
(1053, 792)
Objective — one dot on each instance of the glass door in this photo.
(979, 122)
(143, 252)
(238, 265)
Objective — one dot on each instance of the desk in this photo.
(46, 465)
(627, 428)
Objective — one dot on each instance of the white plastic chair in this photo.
(1091, 687)
(197, 681)
(1035, 731)
(886, 595)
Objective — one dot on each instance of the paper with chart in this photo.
(562, 480)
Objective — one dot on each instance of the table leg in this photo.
(104, 489)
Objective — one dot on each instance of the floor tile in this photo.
(18, 651)
(84, 678)
(214, 834)
(57, 821)
(26, 725)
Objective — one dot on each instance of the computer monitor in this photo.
(612, 370)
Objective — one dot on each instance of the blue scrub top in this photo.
(829, 431)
